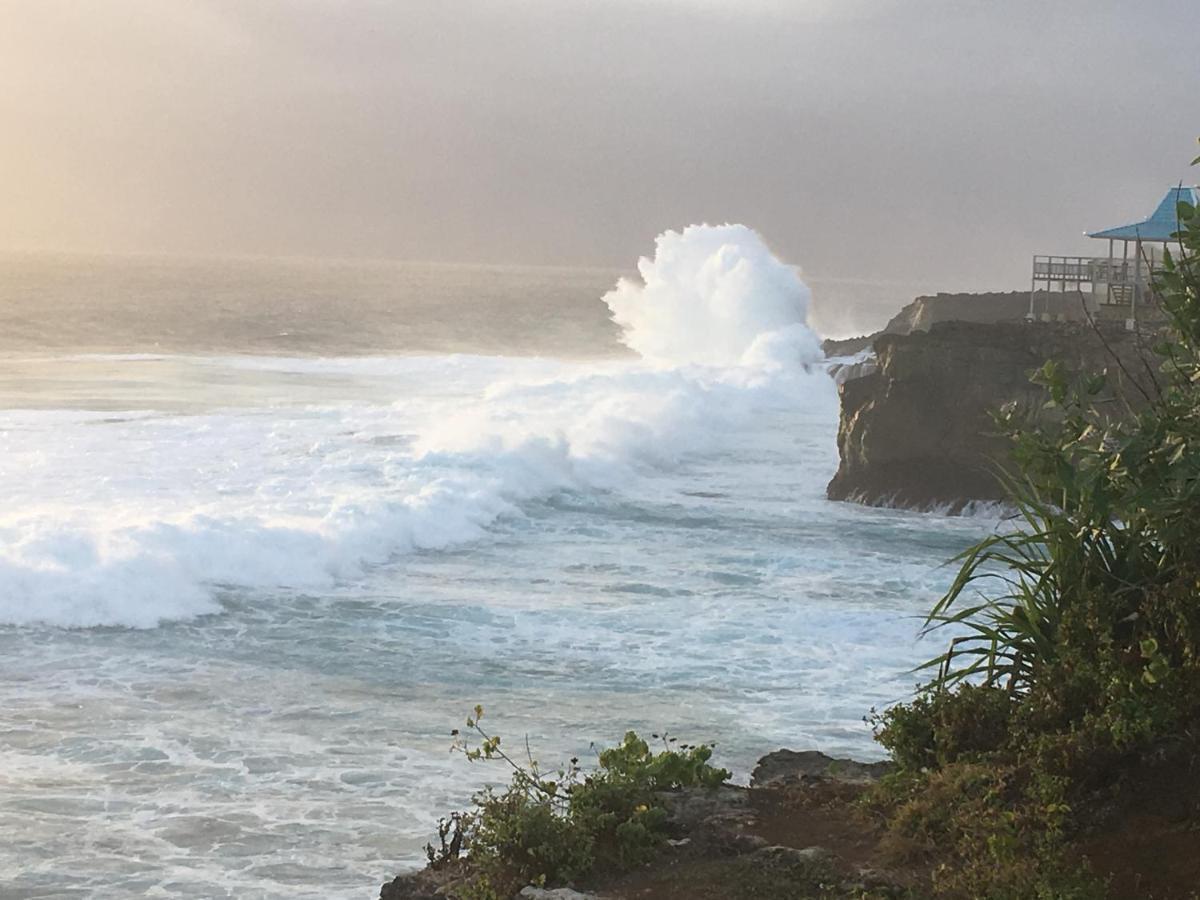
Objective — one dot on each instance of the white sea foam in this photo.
(715, 295)
(133, 520)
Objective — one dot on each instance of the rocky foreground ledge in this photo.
(793, 833)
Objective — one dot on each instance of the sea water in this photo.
(269, 530)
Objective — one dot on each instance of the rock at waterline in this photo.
(790, 766)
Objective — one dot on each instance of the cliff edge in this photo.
(922, 313)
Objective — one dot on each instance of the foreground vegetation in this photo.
(1074, 682)
(555, 829)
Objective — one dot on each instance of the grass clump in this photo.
(1078, 657)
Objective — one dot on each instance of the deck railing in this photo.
(1094, 269)
(1064, 268)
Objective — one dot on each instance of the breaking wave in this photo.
(140, 518)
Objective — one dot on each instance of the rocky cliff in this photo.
(923, 313)
(918, 432)
(1007, 306)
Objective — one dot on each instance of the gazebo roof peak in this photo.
(1161, 225)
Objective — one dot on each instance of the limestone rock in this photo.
(425, 884)
(1009, 306)
(537, 893)
(848, 368)
(791, 766)
(793, 856)
(918, 432)
(411, 886)
(719, 819)
(690, 807)
(923, 313)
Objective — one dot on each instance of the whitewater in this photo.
(247, 589)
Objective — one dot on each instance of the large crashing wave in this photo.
(147, 519)
(715, 295)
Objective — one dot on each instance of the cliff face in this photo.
(918, 433)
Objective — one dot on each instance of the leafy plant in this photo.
(558, 827)
(937, 729)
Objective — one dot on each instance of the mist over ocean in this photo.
(269, 529)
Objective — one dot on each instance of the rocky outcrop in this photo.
(996, 306)
(848, 368)
(430, 883)
(923, 313)
(793, 766)
(918, 431)
(846, 347)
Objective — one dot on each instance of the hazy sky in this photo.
(918, 141)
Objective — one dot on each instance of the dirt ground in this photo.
(1149, 849)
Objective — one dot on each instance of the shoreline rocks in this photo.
(793, 766)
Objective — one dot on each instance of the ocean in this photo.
(270, 529)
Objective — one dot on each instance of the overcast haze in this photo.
(931, 143)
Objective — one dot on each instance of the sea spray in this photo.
(715, 295)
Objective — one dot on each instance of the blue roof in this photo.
(1161, 225)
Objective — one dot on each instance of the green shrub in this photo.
(554, 830)
(941, 727)
(518, 838)
(984, 829)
